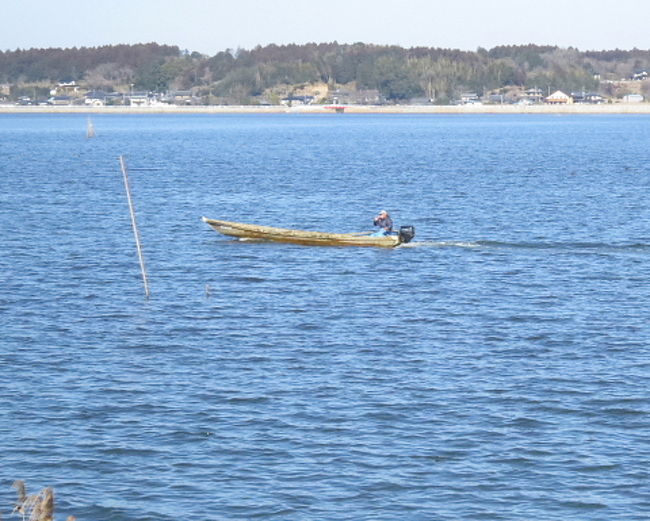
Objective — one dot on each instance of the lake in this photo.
(495, 368)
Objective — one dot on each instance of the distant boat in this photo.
(339, 109)
(308, 238)
(90, 129)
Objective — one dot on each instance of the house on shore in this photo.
(60, 100)
(140, 99)
(595, 98)
(99, 98)
(559, 98)
(96, 98)
(587, 98)
(292, 101)
(179, 97)
(357, 97)
(534, 95)
(65, 88)
(633, 98)
(469, 98)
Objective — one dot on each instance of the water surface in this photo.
(496, 368)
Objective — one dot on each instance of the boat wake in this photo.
(572, 246)
(441, 244)
(594, 247)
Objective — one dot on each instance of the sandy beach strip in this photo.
(607, 108)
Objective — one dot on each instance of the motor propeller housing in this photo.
(406, 233)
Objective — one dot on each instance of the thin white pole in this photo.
(136, 233)
(90, 129)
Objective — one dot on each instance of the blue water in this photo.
(494, 369)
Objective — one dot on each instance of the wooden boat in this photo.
(268, 233)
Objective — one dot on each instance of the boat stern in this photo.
(406, 234)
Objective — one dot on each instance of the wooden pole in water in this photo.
(136, 233)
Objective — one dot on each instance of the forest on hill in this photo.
(262, 74)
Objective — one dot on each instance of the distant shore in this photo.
(609, 108)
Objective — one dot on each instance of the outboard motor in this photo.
(406, 233)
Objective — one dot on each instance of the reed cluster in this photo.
(35, 507)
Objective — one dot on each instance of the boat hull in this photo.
(306, 238)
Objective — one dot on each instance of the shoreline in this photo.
(613, 108)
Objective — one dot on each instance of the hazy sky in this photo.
(210, 26)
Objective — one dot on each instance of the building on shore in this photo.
(180, 97)
(559, 98)
(96, 98)
(140, 99)
(291, 101)
(534, 95)
(60, 100)
(633, 98)
(469, 98)
(356, 97)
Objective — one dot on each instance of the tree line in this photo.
(247, 76)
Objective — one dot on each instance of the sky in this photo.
(211, 26)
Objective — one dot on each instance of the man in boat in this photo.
(384, 222)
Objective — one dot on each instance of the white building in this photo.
(559, 98)
(633, 98)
